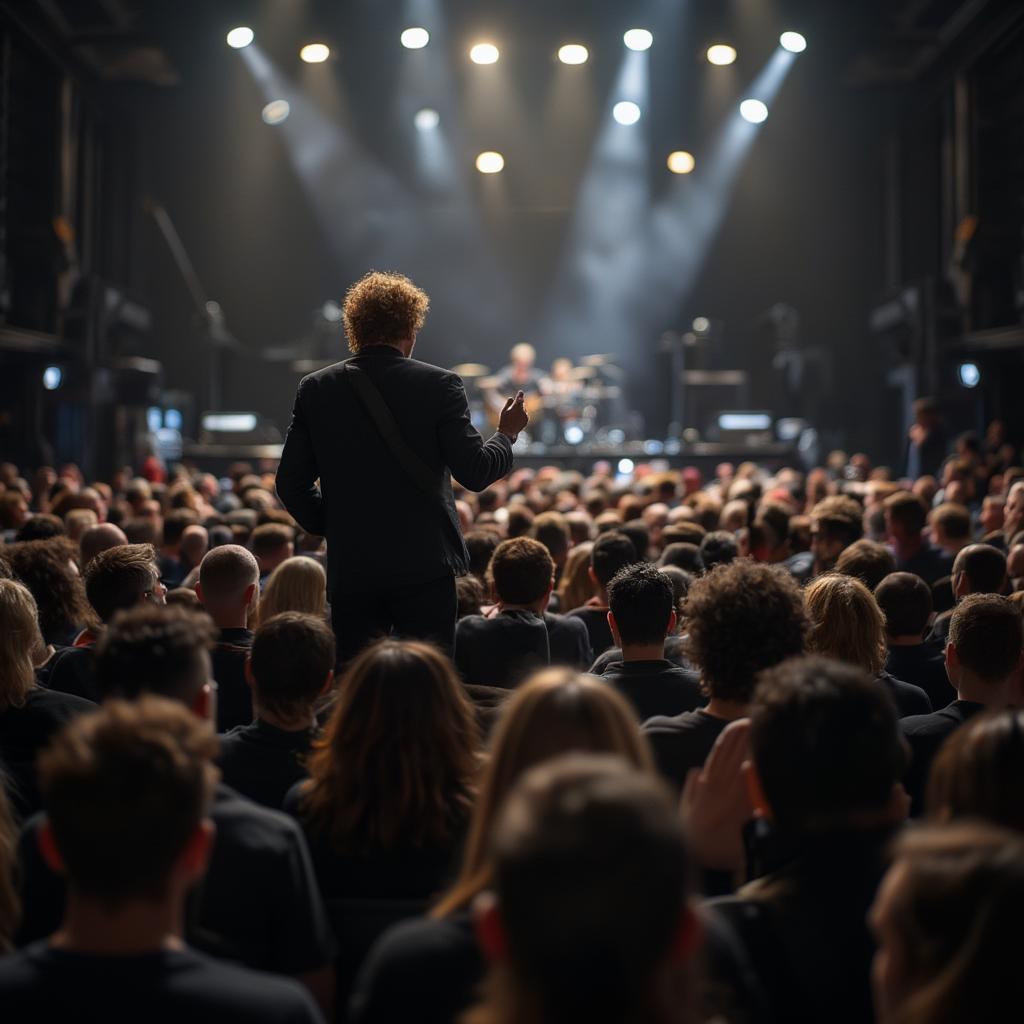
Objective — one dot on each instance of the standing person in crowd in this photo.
(927, 441)
(298, 584)
(905, 519)
(611, 552)
(128, 791)
(404, 427)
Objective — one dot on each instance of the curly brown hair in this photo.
(45, 567)
(383, 309)
(743, 617)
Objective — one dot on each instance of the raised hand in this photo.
(513, 416)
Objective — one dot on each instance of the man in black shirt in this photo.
(127, 791)
(743, 618)
(229, 587)
(611, 552)
(290, 667)
(984, 663)
(641, 614)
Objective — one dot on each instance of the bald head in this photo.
(979, 569)
(100, 538)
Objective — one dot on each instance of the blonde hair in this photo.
(576, 588)
(552, 713)
(21, 643)
(846, 622)
(298, 584)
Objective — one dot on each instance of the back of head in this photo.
(552, 530)
(298, 584)
(522, 571)
(46, 568)
(906, 603)
(868, 561)
(742, 618)
(825, 743)
(175, 523)
(383, 309)
(680, 580)
(846, 622)
(225, 573)
(592, 876)
(839, 517)
(153, 649)
(124, 788)
(984, 568)
(684, 556)
(773, 518)
(292, 658)
(520, 520)
(120, 577)
(270, 539)
(718, 548)
(907, 513)
(954, 521)
(641, 600)
(636, 530)
(986, 631)
(41, 526)
(611, 552)
(100, 537)
(481, 545)
(21, 643)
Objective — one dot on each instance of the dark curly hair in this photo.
(743, 617)
(45, 567)
(382, 309)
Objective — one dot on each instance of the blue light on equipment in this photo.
(173, 419)
(52, 378)
(970, 375)
(154, 419)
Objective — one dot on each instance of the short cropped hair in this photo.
(269, 538)
(522, 570)
(226, 572)
(175, 523)
(839, 518)
(906, 603)
(988, 633)
(383, 309)
(742, 618)
(641, 599)
(954, 519)
(984, 566)
(611, 552)
(291, 656)
(825, 742)
(867, 560)
(124, 788)
(718, 548)
(908, 510)
(119, 577)
(682, 555)
(552, 530)
(481, 545)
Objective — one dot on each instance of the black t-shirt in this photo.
(922, 665)
(910, 700)
(568, 641)
(595, 618)
(675, 651)
(503, 650)
(263, 762)
(72, 672)
(682, 742)
(41, 984)
(259, 902)
(227, 660)
(655, 687)
(929, 562)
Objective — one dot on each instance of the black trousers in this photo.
(420, 611)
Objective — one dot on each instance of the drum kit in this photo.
(574, 407)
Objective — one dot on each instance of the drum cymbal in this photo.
(471, 370)
(490, 382)
(582, 372)
(599, 360)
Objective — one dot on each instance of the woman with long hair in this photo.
(575, 587)
(554, 712)
(298, 584)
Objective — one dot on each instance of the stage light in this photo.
(681, 162)
(331, 312)
(490, 162)
(573, 53)
(415, 38)
(574, 434)
(484, 53)
(721, 54)
(701, 325)
(970, 375)
(276, 111)
(753, 111)
(52, 378)
(426, 120)
(793, 41)
(626, 112)
(240, 37)
(626, 466)
(173, 419)
(638, 39)
(315, 53)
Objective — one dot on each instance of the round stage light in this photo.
(626, 112)
(484, 53)
(753, 111)
(573, 53)
(793, 41)
(426, 120)
(721, 54)
(626, 466)
(490, 162)
(315, 53)
(276, 111)
(240, 37)
(681, 162)
(701, 325)
(415, 38)
(52, 378)
(970, 375)
(638, 39)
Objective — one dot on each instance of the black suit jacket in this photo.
(382, 529)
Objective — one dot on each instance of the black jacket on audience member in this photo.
(569, 641)
(922, 665)
(682, 742)
(227, 660)
(595, 618)
(503, 650)
(655, 687)
(263, 762)
(72, 672)
(910, 700)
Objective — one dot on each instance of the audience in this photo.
(298, 584)
(272, 544)
(575, 588)
(978, 569)
(867, 560)
(905, 518)
(611, 552)
(48, 569)
(836, 523)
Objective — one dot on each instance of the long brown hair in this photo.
(21, 644)
(846, 622)
(398, 760)
(552, 713)
(575, 588)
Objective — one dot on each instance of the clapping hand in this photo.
(513, 416)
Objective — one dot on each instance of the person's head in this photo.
(979, 569)
(41, 526)
(590, 917)
(272, 544)
(984, 645)
(552, 530)
(291, 664)
(78, 520)
(520, 520)
(122, 577)
(160, 650)
(1013, 511)
(717, 548)
(229, 582)
(396, 764)
(951, 526)
(384, 309)
(127, 791)
(481, 545)
(683, 556)
(522, 573)
(523, 356)
(926, 412)
(611, 552)
(846, 622)
(836, 522)
(298, 584)
(99, 538)
(576, 586)
(48, 569)
(946, 919)
(772, 519)
(990, 519)
(21, 643)
(470, 596)
(195, 542)
(553, 712)
(14, 511)
(826, 751)
(741, 619)
(641, 606)
(867, 560)
(905, 517)
(681, 582)
(906, 602)
(175, 523)
(1015, 562)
